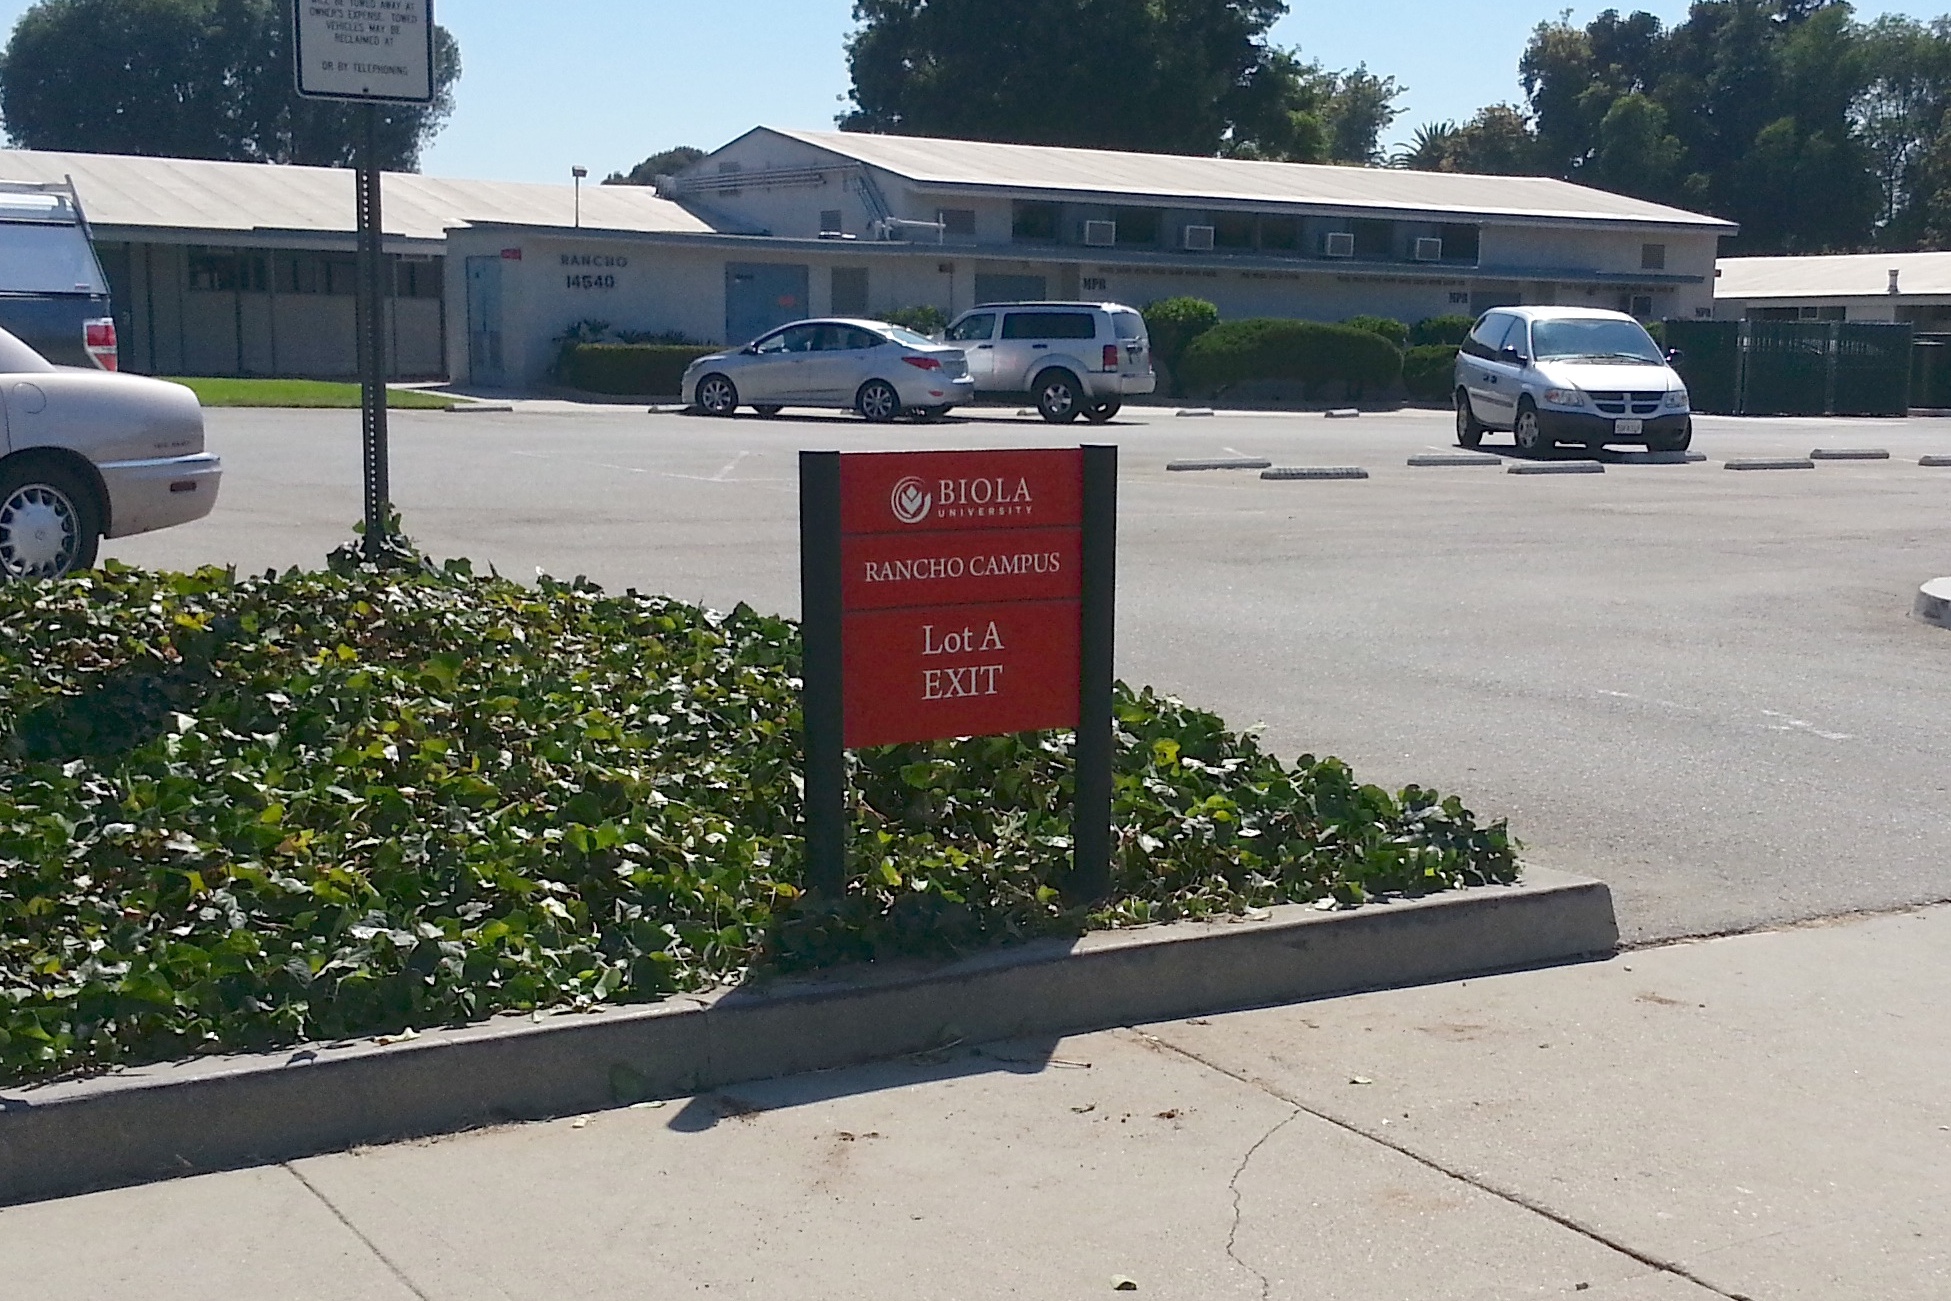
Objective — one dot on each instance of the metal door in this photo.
(484, 355)
(761, 296)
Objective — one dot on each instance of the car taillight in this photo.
(1110, 356)
(923, 363)
(99, 338)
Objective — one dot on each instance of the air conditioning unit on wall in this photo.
(1199, 239)
(1338, 243)
(1100, 234)
(1429, 250)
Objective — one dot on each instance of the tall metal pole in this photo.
(371, 326)
(822, 707)
(1090, 834)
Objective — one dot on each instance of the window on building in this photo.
(1138, 225)
(1641, 307)
(830, 222)
(1772, 314)
(1461, 242)
(1652, 257)
(850, 291)
(417, 279)
(227, 272)
(730, 188)
(1280, 233)
(1034, 223)
(958, 221)
(1234, 230)
(1931, 314)
(1374, 240)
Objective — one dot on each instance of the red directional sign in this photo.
(961, 587)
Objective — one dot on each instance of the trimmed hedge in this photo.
(1266, 348)
(1452, 330)
(1172, 324)
(1428, 370)
(628, 369)
(1386, 326)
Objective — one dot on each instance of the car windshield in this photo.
(1590, 339)
(906, 337)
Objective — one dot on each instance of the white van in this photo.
(1555, 375)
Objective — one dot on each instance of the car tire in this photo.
(1469, 429)
(1529, 431)
(50, 520)
(1059, 398)
(1672, 443)
(877, 402)
(769, 410)
(717, 395)
(1100, 412)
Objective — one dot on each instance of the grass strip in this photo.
(225, 392)
(242, 812)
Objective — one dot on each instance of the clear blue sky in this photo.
(604, 83)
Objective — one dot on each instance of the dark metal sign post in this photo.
(367, 52)
(950, 594)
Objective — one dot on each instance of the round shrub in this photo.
(1307, 351)
(923, 319)
(1452, 330)
(1172, 324)
(1388, 327)
(1428, 370)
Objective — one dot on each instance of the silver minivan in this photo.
(1555, 375)
(1072, 359)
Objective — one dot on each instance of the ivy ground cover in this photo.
(237, 813)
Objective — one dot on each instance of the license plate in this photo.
(1623, 427)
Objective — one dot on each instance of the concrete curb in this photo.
(1787, 463)
(1934, 461)
(186, 1118)
(1555, 467)
(1457, 458)
(1849, 454)
(1224, 463)
(480, 408)
(1315, 472)
(1934, 602)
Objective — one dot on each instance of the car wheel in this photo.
(717, 396)
(1098, 413)
(768, 410)
(1057, 397)
(50, 524)
(1469, 429)
(1530, 431)
(877, 402)
(1679, 442)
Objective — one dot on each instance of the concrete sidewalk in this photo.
(1763, 1116)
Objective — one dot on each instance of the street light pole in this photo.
(579, 173)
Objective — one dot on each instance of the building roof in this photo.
(200, 197)
(1842, 275)
(973, 163)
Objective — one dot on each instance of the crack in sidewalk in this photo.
(356, 1232)
(1511, 1196)
(1233, 1186)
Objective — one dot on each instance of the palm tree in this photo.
(1429, 150)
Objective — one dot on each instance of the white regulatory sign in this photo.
(379, 50)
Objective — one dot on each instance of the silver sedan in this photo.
(879, 370)
(88, 454)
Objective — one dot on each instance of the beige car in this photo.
(89, 454)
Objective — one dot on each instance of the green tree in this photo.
(667, 163)
(1498, 141)
(1161, 76)
(1361, 108)
(190, 79)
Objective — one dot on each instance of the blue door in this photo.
(484, 360)
(760, 296)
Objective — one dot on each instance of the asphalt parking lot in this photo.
(1700, 685)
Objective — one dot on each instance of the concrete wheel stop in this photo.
(1934, 602)
(214, 1113)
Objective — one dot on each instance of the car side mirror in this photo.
(1674, 356)
(1512, 356)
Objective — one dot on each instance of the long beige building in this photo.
(234, 268)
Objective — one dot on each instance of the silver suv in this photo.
(1555, 375)
(1072, 359)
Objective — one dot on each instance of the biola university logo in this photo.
(910, 500)
(961, 499)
